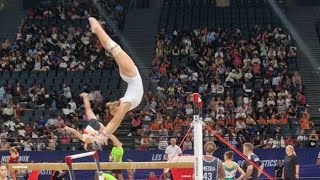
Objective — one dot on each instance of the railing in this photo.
(147, 142)
(158, 142)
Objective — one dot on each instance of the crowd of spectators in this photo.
(250, 87)
(54, 36)
(57, 36)
(44, 130)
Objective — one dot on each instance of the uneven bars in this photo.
(104, 166)
(81, 155)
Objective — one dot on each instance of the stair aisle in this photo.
(140, 37)
(304, 22)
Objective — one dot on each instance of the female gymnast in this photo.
(90, 136)
(13, 159)
(231, 168)
(128, 72)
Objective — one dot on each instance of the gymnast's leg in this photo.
(96, 125)
(125, 63)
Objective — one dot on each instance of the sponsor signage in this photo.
(309, 159)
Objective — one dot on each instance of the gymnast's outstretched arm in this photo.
(74, 132)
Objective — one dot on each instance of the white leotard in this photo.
(134, 91)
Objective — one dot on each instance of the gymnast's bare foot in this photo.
(84, 95)
(94, 24)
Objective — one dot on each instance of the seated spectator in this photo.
(28, 130)
(28, 145)
(155, 126)
(18, 111)
(68, 111)
(187, 144)
(9, 124)
(19, 127)
(4, 145)
(152, 176)
(52, 121)
(302, 139)
(52, 142)
(304, 122)
(60, 122)
(135, 125)
(144, 143)
(283, 120)
(240, 125)
(250, 120)
(301, 99)
(296, 80)
(97, 98)
(162, 140)
(40, 146)
(8, 112)
(278, 142)
(257, 141)
(273, 120)
(314, 139)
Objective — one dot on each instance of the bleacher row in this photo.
(235, 92)
(191, 14)
(59, 23)
(107, 80)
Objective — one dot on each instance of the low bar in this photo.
(104, 166)
(77, 156)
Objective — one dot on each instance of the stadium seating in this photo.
(57, 18)
(182, 21)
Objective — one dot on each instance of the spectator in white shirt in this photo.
(68, 110)
(278, 142)
(218, 54)
(19, 127)
(171, 152)
(194, 76)
(246, 59)
(240, 113)
(9, 124)
(214, 88)
(73, 105)
(220, 115)
(66, 91)
(163, 142)
(255, 59)
(52, 121)
(220, 89)
(189, 109)
(240, 125)
(8, 111)
(27, 146)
